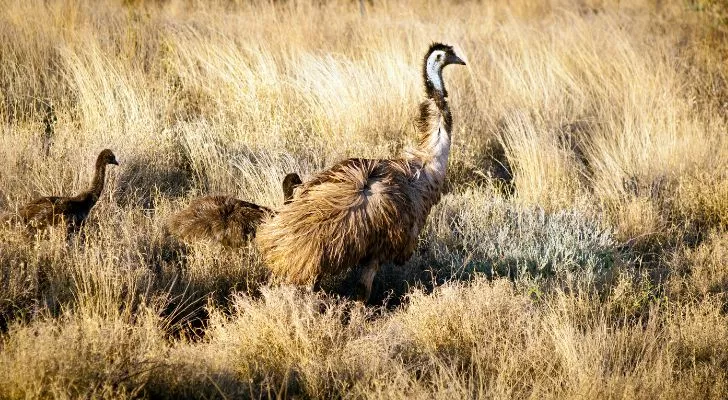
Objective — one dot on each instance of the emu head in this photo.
(290, 182)
(106, 157)
(438, 57)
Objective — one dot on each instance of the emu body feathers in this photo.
(222, 219)
(356, 210)
(225, 219)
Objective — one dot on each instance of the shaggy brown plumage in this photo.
(72, 211)
(224, 219)
(365, 212)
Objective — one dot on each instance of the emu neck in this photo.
(435, 125)
(287, 193)
(97, 185)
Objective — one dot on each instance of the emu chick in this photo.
(46, 211)
(225, 219)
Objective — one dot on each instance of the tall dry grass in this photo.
(580, 251)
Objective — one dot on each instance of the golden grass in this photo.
(579, 253)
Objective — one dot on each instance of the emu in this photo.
(225, 219)
(290, 183)
(365, 212)
(73, 211)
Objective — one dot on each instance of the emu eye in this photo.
(439, 57)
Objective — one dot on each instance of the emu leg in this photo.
(364, 286)
(317, 284)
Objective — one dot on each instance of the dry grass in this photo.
(580, 252)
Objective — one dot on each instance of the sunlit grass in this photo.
(579, 251)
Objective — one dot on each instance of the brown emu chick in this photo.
(363, 212)
(224, 219)
(45, 211)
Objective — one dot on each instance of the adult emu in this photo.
(224, 219)
(73, 211)
(362, 211)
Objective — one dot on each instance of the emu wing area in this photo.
(356, 210)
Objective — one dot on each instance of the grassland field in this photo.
(580, 250)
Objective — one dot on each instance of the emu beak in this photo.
(115, 162)
(453, 59)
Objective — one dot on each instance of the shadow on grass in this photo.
(142, 179)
